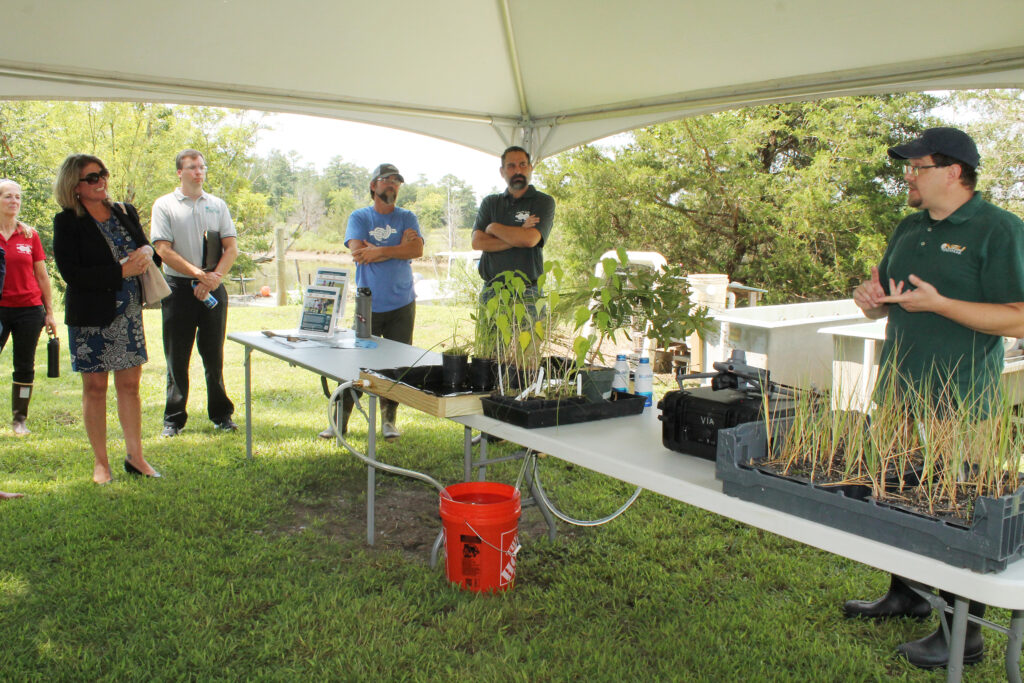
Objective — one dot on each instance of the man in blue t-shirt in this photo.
(383, 238)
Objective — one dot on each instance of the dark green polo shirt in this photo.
(976, 254)
(507, 210)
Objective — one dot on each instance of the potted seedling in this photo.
(653, 303)
(532, 335)
(484, 363)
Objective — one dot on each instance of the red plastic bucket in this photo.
(481, 534)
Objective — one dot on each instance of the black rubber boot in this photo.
(21, 394)
(388, 413)
(932, 651)
(346, 412)
(900, 601)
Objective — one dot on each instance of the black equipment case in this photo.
(691, 418)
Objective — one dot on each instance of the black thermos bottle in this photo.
(53, 357)
(364, 313)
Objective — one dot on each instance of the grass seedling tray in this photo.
(534, 413)
(993, 538)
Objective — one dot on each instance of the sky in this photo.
(318, 140)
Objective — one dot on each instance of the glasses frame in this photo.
(95, 177)
(910, 169)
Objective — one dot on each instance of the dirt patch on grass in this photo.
(406, 519)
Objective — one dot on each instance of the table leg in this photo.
(1013, 645)
(544, 511)
(957, 635)
(467, 452)
(482, 469)
(248, 402)
(371, 471)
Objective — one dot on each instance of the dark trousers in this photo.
(188, 321)
(24, 324)
(396, 325)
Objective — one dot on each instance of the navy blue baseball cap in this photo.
(952, 142)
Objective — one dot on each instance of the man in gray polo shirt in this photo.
(195, 237)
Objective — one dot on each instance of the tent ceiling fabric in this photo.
(487, 73)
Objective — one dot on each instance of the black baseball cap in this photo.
(949, 141)
(385, 170)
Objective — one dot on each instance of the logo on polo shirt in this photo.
(952, 248)
(521, 216)
(382, 232)
(24, 248)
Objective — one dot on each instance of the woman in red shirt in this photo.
(26, 303)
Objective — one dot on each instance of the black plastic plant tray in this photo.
(533, 413)
(994, 538)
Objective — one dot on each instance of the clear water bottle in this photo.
(621, 380)
(644, 383)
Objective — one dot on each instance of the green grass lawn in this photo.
(234, 570)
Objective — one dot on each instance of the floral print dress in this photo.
(121, 344)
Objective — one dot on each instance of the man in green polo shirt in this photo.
(952, 285)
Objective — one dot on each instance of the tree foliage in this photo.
(796, 198)
(997, 125)
(138, 143)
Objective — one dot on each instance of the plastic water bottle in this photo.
(644, 382)
(621, 380)
(210, 301)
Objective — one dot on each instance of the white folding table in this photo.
(630, 449)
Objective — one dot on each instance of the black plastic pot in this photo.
(454, 370)
(481, 374)
(597, 383)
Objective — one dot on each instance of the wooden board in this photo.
(438, 406)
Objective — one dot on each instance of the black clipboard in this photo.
(212, 250)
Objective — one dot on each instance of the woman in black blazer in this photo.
(100, 251)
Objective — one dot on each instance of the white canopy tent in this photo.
(548, 74)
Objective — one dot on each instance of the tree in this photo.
(340, 173)
(997, 125)
(796, 198)
(138, 143)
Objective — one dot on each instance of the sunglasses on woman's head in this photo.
(93, 178)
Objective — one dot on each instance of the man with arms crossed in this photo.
(194, 235)
(383, 239)
(512, 227)
(952, 284)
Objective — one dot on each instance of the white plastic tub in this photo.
(783, 339)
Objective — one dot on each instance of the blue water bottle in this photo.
(644, 382)
(210, 301)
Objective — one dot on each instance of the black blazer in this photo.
(84, 260)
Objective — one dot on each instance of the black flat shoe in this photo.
(131, 469)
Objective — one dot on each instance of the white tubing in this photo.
(333, 418)
(571, 520)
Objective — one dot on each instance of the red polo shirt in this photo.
(20, 286)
